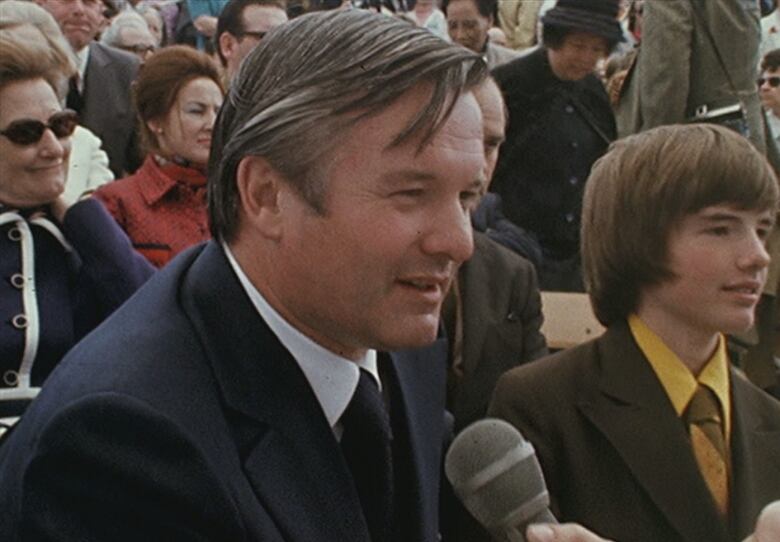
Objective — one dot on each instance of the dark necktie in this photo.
(709, 445)
(75, 100)
(367, 447)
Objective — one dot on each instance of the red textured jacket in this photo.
(162, 208)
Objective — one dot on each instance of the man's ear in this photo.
(259, 186)
(227, 43)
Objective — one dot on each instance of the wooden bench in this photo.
(568, 319)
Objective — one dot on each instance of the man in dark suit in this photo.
(100, 94)
(648, 433)
(222, 402)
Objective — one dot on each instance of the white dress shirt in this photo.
(332, 378)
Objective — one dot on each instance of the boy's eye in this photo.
(720, 230)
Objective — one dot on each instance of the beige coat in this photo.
(518, 20)
(677, 69)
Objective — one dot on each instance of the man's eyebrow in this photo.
(408, 175)
(411, 175)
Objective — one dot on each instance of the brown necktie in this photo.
(709, 445)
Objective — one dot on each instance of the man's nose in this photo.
(450, 234)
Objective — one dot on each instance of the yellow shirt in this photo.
(678, 381)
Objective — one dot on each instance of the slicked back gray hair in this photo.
(310, 79)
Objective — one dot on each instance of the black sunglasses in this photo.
(28, 131)
(774, 82)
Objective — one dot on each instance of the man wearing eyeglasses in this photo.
(241, 26)
(129, 32)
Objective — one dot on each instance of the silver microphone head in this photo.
(495, 473)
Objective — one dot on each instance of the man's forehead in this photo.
(462, 129)
(263, 15)
(466, 116)
(464, 4)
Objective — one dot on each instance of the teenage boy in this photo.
(647, 433)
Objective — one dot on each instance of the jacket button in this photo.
(512, 316)
(573, 181)
(19, 321)
(569, 218)
(569, 109)
(11, 378)
(15, 234)
(17, 280)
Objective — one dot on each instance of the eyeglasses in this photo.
(139, 49)
(774, 82)
(252, 34)
(29, 131)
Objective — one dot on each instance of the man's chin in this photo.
(412, 335)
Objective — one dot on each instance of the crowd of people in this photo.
(262, 259)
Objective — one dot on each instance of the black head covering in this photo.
(594, 16)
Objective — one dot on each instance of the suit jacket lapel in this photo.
(475, 321)
(486, 306)
(420, 378)
(94, 85)
(289, 453)
(755, 441)
(630, 407)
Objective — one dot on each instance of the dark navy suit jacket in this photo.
(183, 418)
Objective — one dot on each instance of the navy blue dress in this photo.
(57, 283)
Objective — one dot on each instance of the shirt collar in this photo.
(332, 378)
(774, 124)
(82, 59)
(677, 380)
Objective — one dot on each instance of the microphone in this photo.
(495, 474)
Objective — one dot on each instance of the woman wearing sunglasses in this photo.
(162, 206)
(88, 165)
(63, 267)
